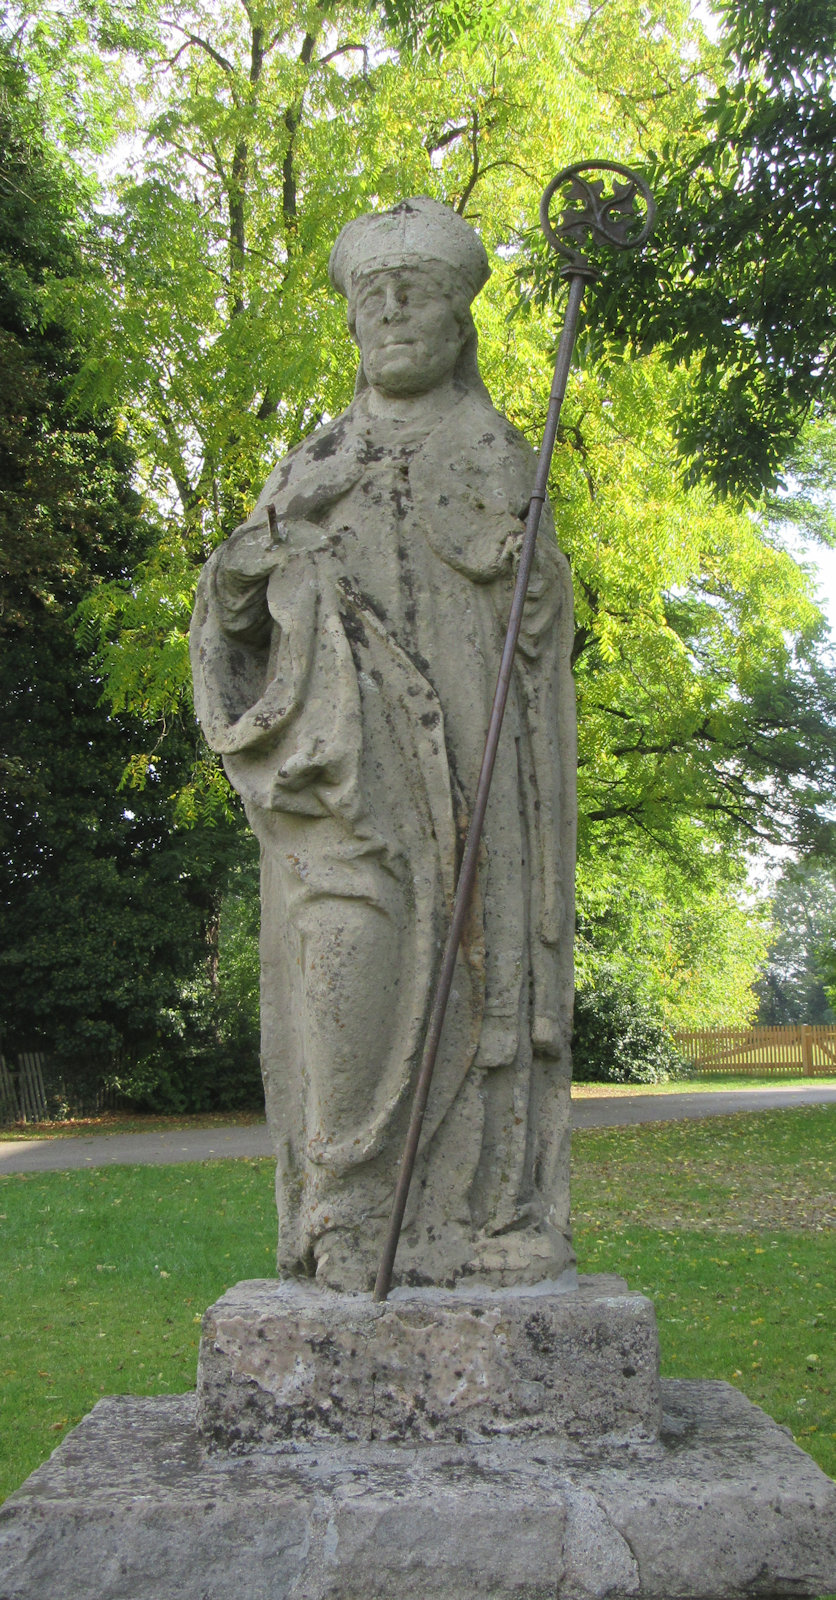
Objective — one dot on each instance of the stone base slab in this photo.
(131, 1506)
(284, 1361)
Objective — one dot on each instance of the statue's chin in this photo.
(396, 379)
(395, 385)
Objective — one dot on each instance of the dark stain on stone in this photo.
(371, 452)
(327, 443)
(541, 1335)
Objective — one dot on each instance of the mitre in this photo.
(419, 229)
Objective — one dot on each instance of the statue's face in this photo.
(407, 328)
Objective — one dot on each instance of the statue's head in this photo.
(409, 276)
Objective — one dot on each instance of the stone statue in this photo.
(345, 645)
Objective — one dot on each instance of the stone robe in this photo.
(349, 693)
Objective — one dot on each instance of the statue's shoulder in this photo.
(483, 447)
(486, 431)
(478, 439)
(319, 450)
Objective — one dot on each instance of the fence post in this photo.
(9, 1109)
(806, 1050)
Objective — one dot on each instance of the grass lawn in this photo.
(727, 1223)
(708, 1085)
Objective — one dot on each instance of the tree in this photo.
(619, 1036)
(207, 320)
(105, 905)
(739, 280)
(793, 986)
(684, 936)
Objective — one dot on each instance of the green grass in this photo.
(105, 1276)
(727, 1224)
(699, 1085)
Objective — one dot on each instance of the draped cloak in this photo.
(349, 691)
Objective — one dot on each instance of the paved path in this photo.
(614, 1112)
(218, 1143)
(158, 1149)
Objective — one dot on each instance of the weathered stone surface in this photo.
(345, 647)
(287, 1360)
(131, 1507)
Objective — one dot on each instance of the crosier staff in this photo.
(612, 220)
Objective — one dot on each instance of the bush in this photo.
(220, 1076)
(620, 1037)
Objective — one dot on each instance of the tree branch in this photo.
(343, 50)
(292, 119)
(203, 44)
(474, 171)
(447, 138)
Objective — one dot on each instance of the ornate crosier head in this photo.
(618, 214)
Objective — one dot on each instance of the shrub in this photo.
(620, 1037)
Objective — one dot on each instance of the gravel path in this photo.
(215, 1144)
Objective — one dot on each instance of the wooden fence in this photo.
(30, 1093)
(800, 1051)
(22, 1092)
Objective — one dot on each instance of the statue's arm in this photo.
(284, 521)
(239, 572)
(549, 594)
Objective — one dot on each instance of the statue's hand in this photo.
(287, 517)
(253, 550)
(259, 545)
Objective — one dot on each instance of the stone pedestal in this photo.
(577, 1358)
(426, 1450)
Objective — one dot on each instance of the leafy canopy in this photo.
(738, 283)
(251, 132)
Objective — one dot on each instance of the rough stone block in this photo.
(723, 1506)
(281, 1361)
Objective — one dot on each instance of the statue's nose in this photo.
(392, 308)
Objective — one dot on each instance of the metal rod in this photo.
(467, 873)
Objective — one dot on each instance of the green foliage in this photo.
(205, 312)
(105, 903)
(238, 952)
(704, 687)
(619, 1036)
(802, 908)
(64, 481)
(706, 697)
(207, 328)
(687, 929)
(738, 280)
(209, 1057)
